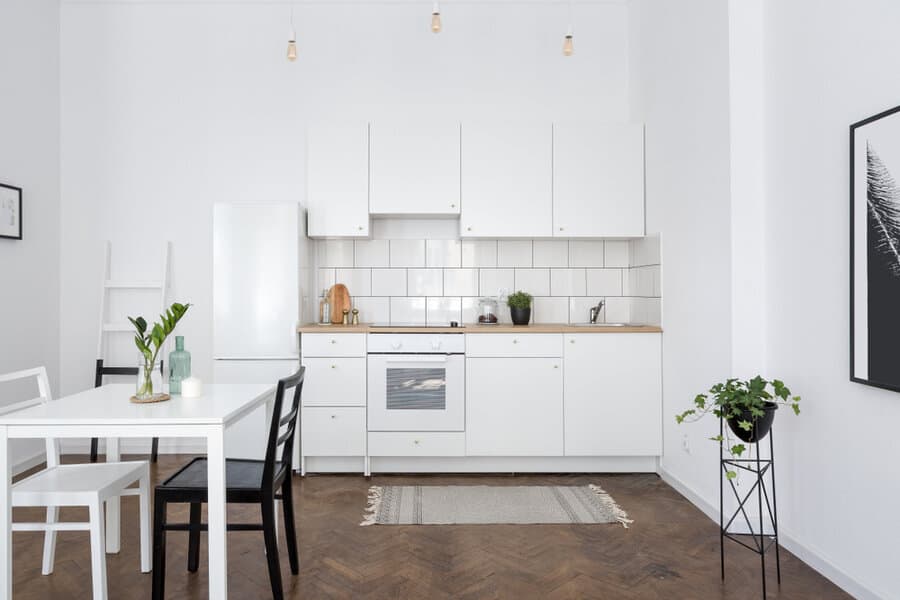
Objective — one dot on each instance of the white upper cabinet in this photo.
(507, 189)
(598, 180)
(338, 179)
(414, 168)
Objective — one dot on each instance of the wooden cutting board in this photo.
(339, 299)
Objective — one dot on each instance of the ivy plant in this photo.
(733, 400)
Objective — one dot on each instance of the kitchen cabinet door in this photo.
(613, 394)
(514, 407)
(506, 175)
(414, 168)
(598, 180)
(337, 178)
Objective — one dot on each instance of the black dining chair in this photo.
(99, 372)
(246, 482)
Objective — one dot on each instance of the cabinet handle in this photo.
(468, 229)
(334, 416)
(334, 341)
(571, 341)
(562, 228)
(360, 228)
(334, 366)
(555, 366)
(515, 341)
(452, 206)
(416, 442)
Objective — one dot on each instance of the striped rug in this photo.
(485, 504)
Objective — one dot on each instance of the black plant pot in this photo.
(520, 316)
(761, 425)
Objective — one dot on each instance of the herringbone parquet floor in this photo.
(670, 552)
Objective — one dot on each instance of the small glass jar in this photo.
(149, 380)
(488, 311)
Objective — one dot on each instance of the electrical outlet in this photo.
(685, 443)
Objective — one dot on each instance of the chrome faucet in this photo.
(595, 310)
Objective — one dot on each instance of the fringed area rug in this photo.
(483, 504)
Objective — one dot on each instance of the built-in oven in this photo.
(417, 382)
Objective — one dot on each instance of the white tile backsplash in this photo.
(460, 282)
(495, 282)
(425, 282)
(358, 281)
(388, 282)
(586, 253)
(551, 253)
(567, 282)
(479, 253)
(534, 281)
(372, 253)
(514, 253)
(408, 310)
(407, 253)
(443, 253)
(405, 280)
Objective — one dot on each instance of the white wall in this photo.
(829, 64)
(681, 91)
(170, 107)
(29, 158)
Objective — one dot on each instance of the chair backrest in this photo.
(283, 427)
(100, 370)
(43, 384)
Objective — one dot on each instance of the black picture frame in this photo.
(869, 188)
(18, 213)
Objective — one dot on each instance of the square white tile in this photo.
(469, 310)
(372, 309)
(495, 282)
(514, 253)
(580, 310)
(645, 251)
(534, 281)
(425, 282)
(443, 253)
(605, 282)
(567, 282)
(358, 281)
(440, 311)
(372, 253)
(639, 281)
(616, 253)
(551, 253)
(479, 253)
(407, 311)
(618, 310)
(550, 310)
(407, 253)
(586, 253)
(324, 280)
(335, 253)
(388, 282)
(460, 282)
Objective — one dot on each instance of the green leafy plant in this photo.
(519, 300)
(733, 400)
(150, 342)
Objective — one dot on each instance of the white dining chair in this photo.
(88, 485)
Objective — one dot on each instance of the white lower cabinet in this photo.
(334, 381)
(411, 443)
(514, 407)
(613, 389)
(334, 431)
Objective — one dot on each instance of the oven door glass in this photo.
(416, 392)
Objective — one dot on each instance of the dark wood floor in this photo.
(671, 551)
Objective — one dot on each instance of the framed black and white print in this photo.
(10, 212)
(875, 250)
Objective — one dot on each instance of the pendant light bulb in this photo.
(292, 40)
(569, 44)
(436, 19)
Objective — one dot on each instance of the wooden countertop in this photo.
(474, 328)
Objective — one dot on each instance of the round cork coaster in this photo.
(151, 399)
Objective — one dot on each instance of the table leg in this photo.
(5, 517)
(218, 552)
(113, 505)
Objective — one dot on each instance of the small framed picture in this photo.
(10, 212)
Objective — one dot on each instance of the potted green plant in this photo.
(520, 307)
(150, 342)
(747, 406)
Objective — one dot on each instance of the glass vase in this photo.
(179, 365)
(149, 380)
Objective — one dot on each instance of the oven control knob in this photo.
(396, 345)
(435, 344)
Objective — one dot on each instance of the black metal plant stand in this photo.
(759, 467)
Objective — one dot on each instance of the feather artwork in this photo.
(884, 208)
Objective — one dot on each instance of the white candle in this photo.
(191, 387)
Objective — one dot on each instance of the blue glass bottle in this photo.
(179, 365)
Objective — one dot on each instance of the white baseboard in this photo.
(811, 556)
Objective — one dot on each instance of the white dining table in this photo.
(107, 412)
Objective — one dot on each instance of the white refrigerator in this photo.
(262, 273)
